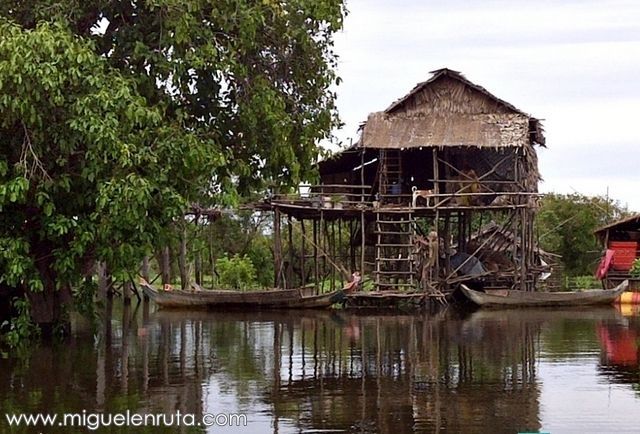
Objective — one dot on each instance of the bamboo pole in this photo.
(289, 283)
(182, 261)
(303, 279)
(316, 264)
(277, 249)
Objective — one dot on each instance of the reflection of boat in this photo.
(538, 316)
(301, 298)
(531, 298)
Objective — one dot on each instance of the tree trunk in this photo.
(145, 268)
(166, 266)
(103, 283)
(48, 307)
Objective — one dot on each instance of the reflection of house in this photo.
(620, 239)
(471, 158)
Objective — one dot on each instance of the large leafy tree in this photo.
(117, 115)
(252, 75)
(87, 169)
(566, 225)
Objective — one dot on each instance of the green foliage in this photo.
(88, 170)
(254, 76)
(566, 224)
(236, 272)
(118, 115)
(582, 282)
(635, 268)
(19, 329)
(242, 234)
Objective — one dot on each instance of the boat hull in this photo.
(531, 298)
(275, 299)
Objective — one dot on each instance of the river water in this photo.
(509, 371)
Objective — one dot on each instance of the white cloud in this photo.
(574, 64)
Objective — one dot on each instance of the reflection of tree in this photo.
(123, 369)
(375, 373)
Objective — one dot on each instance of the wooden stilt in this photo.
(289, 283)
(277, 249)
(182, 260)
(303, 273)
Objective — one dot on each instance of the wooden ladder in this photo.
(390, 174)
(394, 251)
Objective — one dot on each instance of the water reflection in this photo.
(290, 372)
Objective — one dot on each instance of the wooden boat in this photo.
(515, 298)
(300, 298)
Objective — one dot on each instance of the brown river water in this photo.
(488, 371)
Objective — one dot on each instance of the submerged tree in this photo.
(87, 169)
(118, 115)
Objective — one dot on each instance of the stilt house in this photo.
(404, 204)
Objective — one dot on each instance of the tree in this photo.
(566, 225)
(253, 76)
(117, 115)
(87, 169)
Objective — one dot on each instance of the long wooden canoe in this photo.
(532, 298)
(301, 298)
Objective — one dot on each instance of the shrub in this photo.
(237, 272)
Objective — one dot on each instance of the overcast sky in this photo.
(575, 64)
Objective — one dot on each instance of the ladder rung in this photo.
(394, 245)
(391, 273)
(394, 259)
(399, 222)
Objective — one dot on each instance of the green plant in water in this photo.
(19, 329)
(237, 272)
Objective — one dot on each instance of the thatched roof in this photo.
(449, 110)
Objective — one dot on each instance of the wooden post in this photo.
(321, 244)
(182, 260)
(316, 265)
(340, 249)
(212, 259)
(289, 282)
(197, 257)
(303, 274)
(447, 247)
(277, 248)
(362, 219)
(436, 190)
(362, 241)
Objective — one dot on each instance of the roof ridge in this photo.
(436, 74)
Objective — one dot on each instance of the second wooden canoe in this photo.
(533, 298)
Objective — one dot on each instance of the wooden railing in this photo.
(351, 196)
(327, 195)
